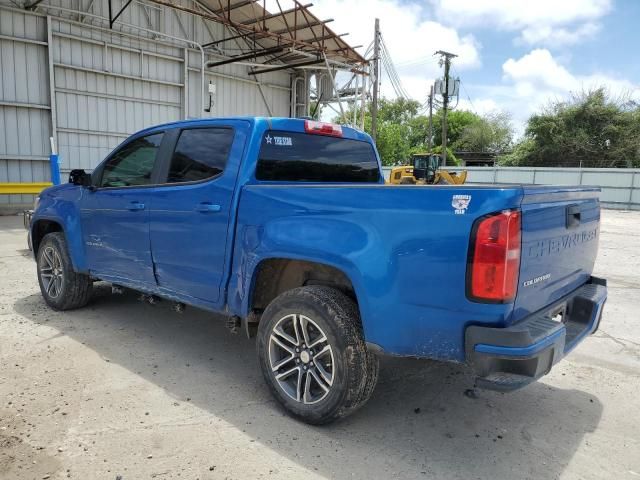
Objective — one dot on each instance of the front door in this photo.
(115, 213)
(190, 214)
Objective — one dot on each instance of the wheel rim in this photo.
(301, 359)
(51, 272)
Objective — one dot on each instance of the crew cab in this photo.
(286, 227)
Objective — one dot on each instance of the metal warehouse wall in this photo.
(620, 186)
(65, 75)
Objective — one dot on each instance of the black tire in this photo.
(65, 289)
(353, 369)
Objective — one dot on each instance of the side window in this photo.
(200, 153)
(133, 163)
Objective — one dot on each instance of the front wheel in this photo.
(313, 355)
(62, 288)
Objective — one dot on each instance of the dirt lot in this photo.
(126, 390)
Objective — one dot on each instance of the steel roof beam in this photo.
(248, 56)
(303, 26)
(244, 3)
(113, 19)
(237, 26)
(235, 37)
(274, 15)
(284, 67)
(327, 37)
(33, 5)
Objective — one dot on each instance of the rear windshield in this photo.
(302, 157)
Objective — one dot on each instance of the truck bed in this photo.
(405, 249)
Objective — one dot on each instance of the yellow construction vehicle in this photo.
(425, 170)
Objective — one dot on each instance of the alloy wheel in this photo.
(51, 272)
(301, 359)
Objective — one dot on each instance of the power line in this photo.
(391, 71)
(394, 78)
(465, 91)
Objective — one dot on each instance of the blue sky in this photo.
(514, 55)
(609, 50)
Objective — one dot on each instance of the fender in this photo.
(243, 286)
(317, 240)
(60, 204)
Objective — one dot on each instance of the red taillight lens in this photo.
(495, 264)
(322, 128)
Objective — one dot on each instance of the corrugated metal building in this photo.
(71, 73)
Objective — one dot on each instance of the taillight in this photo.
(494, 263)
(322, 128)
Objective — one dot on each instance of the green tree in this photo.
(401, 129)
(491, 133)
(404, 130)
(457, 122)
(590, 129)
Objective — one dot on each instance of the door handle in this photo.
(208, 207)
(134, 206)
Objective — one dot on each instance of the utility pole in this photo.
(430, 119)
(446, 58)
(376, 82)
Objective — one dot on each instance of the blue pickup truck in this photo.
(286, 226)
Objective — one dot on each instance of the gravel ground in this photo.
(125, 390)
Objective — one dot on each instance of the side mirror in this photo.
(80, 177)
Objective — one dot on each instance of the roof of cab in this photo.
(275, 123)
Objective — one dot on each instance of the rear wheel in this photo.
(62, 288)
(313, 355)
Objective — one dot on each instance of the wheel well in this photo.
(40, 229)
(277, 275)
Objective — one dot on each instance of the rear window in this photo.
(301, 157)
(200, 153)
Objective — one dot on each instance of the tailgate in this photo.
(560, 230)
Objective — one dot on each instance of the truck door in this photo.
(190, 213)
(115, 215)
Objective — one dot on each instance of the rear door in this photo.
(560, 231)
(190, 213)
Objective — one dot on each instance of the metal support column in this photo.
(430, 120)
(333, 83)
(363, 100)
(185, 85)
(52, 83)
(631, 187)
(354, 121)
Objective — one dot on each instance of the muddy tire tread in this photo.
(78, 287)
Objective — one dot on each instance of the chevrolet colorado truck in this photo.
(287, 227)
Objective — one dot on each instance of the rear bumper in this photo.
(509, 358)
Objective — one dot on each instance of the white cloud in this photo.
(540, 22)
(515, 14)
(411, 40)
(533, 80)
(547, 35)
(538, 68)
(481, 106)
